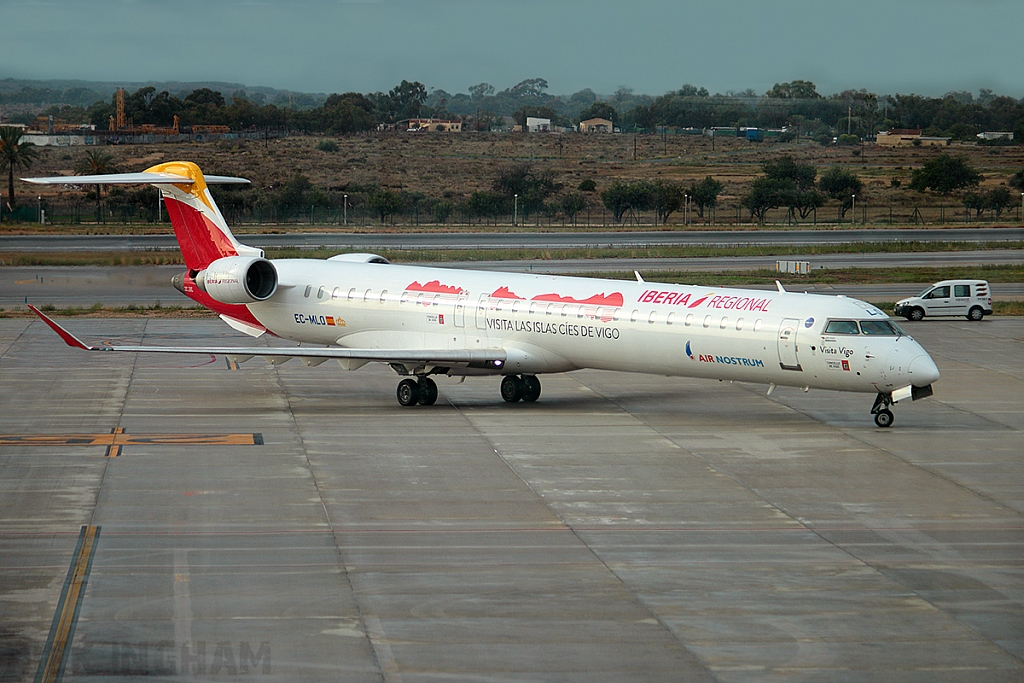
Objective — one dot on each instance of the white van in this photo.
(970, 298)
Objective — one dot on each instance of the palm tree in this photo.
(96, 162)
(14, 154)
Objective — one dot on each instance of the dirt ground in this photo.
(453, 165)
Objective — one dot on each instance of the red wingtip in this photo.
(69, 339)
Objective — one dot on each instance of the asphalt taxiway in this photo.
(184, 520)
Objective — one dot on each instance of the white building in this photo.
(536, 125)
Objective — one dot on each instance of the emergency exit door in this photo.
(787, 344)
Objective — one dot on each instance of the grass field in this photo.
(452, 166)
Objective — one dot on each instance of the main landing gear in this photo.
(520, 387)
(413, 392)
(880, 409)
(422, 391)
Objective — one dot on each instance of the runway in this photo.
(623, 528)
(84, 286)
(564, 239)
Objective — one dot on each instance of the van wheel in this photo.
(916, 314)
(975, 313)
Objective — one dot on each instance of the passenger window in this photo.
(437, 298)
(689, 319)
(707, 321)
(671, 318)
(652, 317)
(515, 306)
(616, 315)
(961, 290)
(336, 294)
(352, 294)
(841, 327)
(320, 292)
(725, 322)
(309, 288)
(757, 325)
(739, 324)
(634, 316)
(383, 295)
(565, 310)
(579, 312)
(533, 307)
(405, 297)
(938, 293)
(550, 310)
(368, 295)
(499, 306)
(877, 327)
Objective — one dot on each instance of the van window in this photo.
(841, 327)
(938, 293)
(961, 290)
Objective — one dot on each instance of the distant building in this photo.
(437, 125)
(596, 126)
(536, 125)
(898, 137)
(995, 135)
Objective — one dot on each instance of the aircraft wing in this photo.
(310, 355)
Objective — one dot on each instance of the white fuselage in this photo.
(556, 324)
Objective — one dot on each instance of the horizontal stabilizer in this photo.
(134, 179)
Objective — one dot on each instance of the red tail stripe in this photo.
(201, 241)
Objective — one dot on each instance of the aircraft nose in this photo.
(922, 371)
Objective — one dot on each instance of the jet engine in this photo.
(238, 280)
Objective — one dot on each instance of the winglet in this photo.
(69, 339)
(782, 290)
(639, 278)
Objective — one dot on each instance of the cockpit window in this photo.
(841, 327)
(879, 327)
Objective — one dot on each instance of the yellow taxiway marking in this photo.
(119, 438)
(51, 667)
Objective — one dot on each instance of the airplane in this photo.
(359, 308)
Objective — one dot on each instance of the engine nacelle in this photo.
(238, 280)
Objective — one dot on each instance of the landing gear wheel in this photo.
(428, 392)
(511, 388)
(531, 388)
(975, 314)
(916, 314)
(880, 409)
(884, 418)
(408, 392)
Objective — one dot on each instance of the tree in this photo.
(704, 194)
(481, 90)
(385, 204)
(945, 174)
(571, 204)
(624, 197)
(96, 162)
(765, 194)
(666, 199)
(14, 155)
(1016, 181)
(532, 186)
(841, 185)
(487, 204)
(599, 110)
(795, 183)
(996, 200)
(202, 96)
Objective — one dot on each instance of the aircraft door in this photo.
(481, 312)
(460, 312)
(787, 344)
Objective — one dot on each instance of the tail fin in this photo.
(202, 233)
(201, 230)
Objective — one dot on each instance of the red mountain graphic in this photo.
(505, 293)
(613, 299)
(434, 286)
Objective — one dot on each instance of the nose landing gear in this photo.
(880, 409)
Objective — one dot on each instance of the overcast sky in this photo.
(887, 46)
